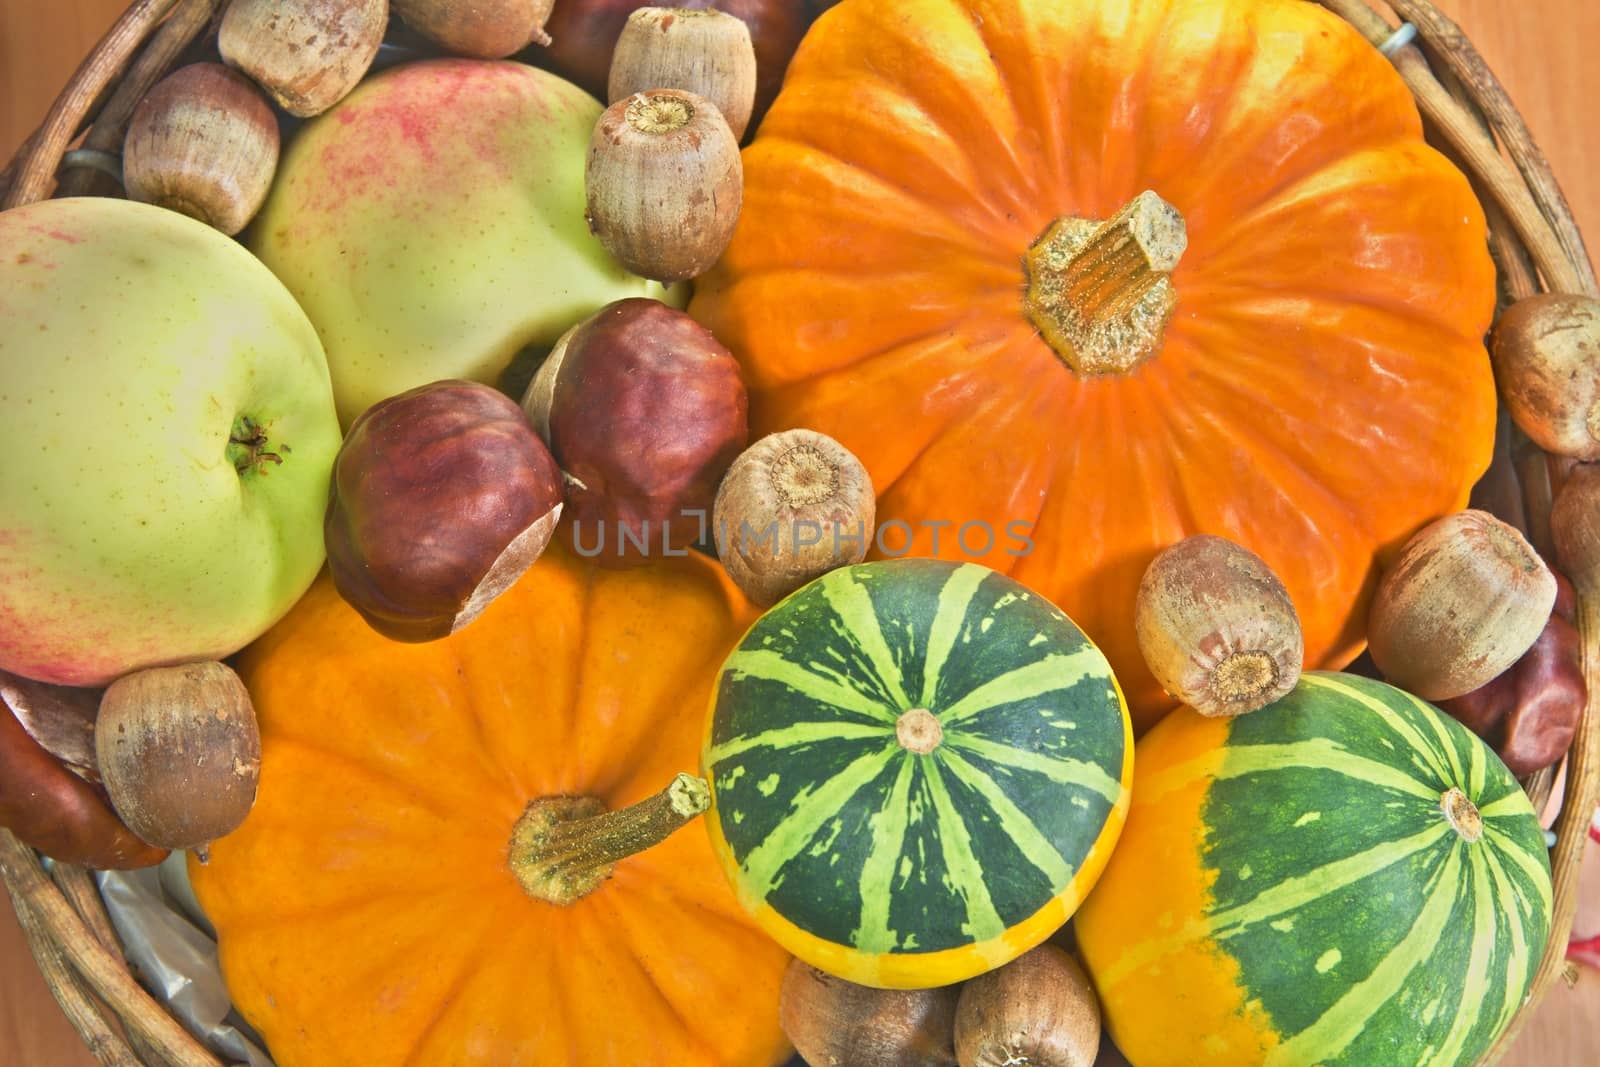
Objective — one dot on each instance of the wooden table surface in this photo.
(1540, 48)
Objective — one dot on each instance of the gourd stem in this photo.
(564, 847)
(1462, 814)
(1100, 293)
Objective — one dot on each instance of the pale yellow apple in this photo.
(166, 436)
(432, 225)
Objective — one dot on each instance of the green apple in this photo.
(167, 431)
(432, 225)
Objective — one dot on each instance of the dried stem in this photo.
(1516, 268)
(187, 21)
(564, 847)
(34, 894)
(79, 887)
(8, 174)
(36, 174)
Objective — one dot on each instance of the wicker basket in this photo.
(1534, 240)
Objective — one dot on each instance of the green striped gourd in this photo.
(918, 770)
(1345, 878)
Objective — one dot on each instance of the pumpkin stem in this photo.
(1462, 814)
(1100, 293)
(564, 847)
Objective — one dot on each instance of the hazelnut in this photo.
(664, 183)
(203, 142)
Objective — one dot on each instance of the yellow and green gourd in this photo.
(1345, 878)
(918, 769)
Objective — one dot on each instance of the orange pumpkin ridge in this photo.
(368, 910)
(1317, 390)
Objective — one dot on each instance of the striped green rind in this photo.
(1362, 924)
(857, 841)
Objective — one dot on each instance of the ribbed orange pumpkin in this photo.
(1313, 386)
(367, 909)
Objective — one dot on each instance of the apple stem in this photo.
(247, 447)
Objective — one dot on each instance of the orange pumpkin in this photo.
(1305, 377)
(367, 909)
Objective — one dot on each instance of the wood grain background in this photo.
(1541, 49)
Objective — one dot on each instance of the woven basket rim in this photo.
(1536, 246)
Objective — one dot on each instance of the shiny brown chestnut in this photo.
(49, 806)
(441, 498)
(645, 411)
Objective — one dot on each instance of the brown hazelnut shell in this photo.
(781, 492)
(585, 34)
(835, 1022)
(307, 54)
(180, 752)
(1546, 355)
(1217, 628)
(706, 52)
(203, 142)
(1039, 1009)
(441, 498)
(663, 183)
(49, 806)
(1464, 599)
(645, 412)
(481, 29)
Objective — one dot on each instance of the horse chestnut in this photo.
(645, 411)
(441, 498)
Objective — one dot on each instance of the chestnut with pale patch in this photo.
(644, 411)
(49, 792)
(1530, 713)
(442, 497)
